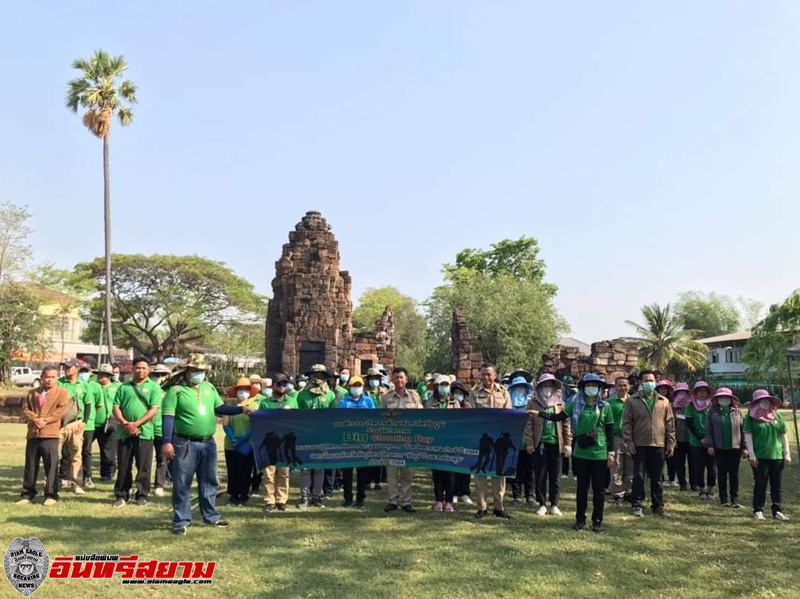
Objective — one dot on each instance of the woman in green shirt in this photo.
(593, 450)
(724, 443)
(768, 446)
(705, 468)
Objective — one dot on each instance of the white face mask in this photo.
(591, 391)
(765, 404)
(197, 377)
(243, 394)
(458, 397)
(301, 385)
(547, 392)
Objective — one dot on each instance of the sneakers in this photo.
(736, 505)
(65, 483)
(466, 499)
(347, 504)
(24, 501)
(79, 490)
(724, 503)
(638, 512)
(302, 506)
(119, 503)
(501, 514)
(159, 492)
(269, 508)
(179, 530)
(50, 501)
(438, 507)
(141, 502)
(531, 502)
(554, 511)
(360, 505)
(564, 476)
(542, 511)
(223, 524)
(759, 516)
(317, 502)
(780, 517)
(578, 526)
(448, 507)
(597, 527)
(517, 502)
(390, 507)
(87, 483)
(281, 507)
(409, 509)
(455, 499)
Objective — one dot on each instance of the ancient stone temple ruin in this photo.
(466, 364)
(614, 358)
(310, 319)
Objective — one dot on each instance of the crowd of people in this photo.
(615, 436)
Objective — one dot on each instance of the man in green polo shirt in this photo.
(189, 422)
(91, 396)
(79, 413)
(136, 404)
(622, 470)
(105, 425)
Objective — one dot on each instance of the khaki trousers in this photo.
(276, 485)
(70, 438)
(498, 491)
(621, 471)
(399, 482)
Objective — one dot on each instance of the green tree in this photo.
(409, 324)
(101, 93)
(160, 302)
(21, 324)
(765, 351)
(707, 314)
(15, 252)
(665, 344)
(509, 308)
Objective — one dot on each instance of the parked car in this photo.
(24, 376)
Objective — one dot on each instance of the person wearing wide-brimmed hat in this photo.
(105, 425)
(546, 441)
(239, 457)
(374, 387)
(683, 454)
(316, 395)
(520, 390)
(768, 447)
(190, 410)
(705, 468)
(724, 441)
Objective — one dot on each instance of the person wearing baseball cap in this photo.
(768, 448)
(356, 400)
(238, 451)
(105, 425)
(80, 412)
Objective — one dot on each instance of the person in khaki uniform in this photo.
(399, 479)
(490, 394)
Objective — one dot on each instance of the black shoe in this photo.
(501, 514)
(579, 526)
(659, 512)
(377, 487)
(481, 514)
(347, 504)
(281, 507)
(391, 507)
(141, 502)
(360, 505)
(317, 503)
(684, 488)
(179, 530)
(106, 479)
(724, 503)
(219, 524)
(409, 509)
(597, 527)
(328, 495)
(269, 508)
(735, 504)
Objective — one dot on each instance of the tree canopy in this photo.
(409, 324)
(665, 344)
(709, 315)
(162, 301)
(15, 252)
(509, 308)
(765, 351)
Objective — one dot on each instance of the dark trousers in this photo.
(671, 469)
(362, 481)
(47, 451)
(524, 479)
(683, 458)
(461, 484)
(648, 461)
(256, 478)
(768, 471)
(107, 442)
(590, 473)
(378, 475)
(443, 484)
(161, 463)
(705, 468)
(728, 469)
(240, 470)
(130, 450)
(565, 467)
(547, 468)
(86, 454)
(329, 482)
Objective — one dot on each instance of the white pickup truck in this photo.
(24, 376)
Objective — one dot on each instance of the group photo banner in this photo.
(482, 442)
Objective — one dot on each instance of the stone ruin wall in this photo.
(614, 358)
(466, 364)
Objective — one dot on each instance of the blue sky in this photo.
(651, 148)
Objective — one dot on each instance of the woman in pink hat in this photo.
(683, 453)
(768, 446)
(725, 443)
(705, 469)
(666, 388)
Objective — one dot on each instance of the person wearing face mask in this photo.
(105, 426)
(724, 441)
(190, 409)
(422, 387)
(443, 481)
(546, 441)
(768, 448)
(648, 433)
(301, 383)
(342, 382)
(622, 470)
(374, 390)
(79, 413)
(666, 388)
(356, 400)
(683, 453)
(696, 415)
(159, 374)
(317, 395)
(264, 387)
(461, 481)
(520, 390)
(92, 395)
(239, 457)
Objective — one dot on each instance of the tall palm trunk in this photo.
(107, 223)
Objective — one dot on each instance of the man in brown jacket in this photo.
(490, 394)
(648, 433)
(43, 409)
(399, 479)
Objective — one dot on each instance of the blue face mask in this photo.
(648, 387)
(373, 384)
(289, 387)
(356, 391)
(83, 377)
(444, 390)
(197, 377)
(343, 378)
(591, 391)
(266, 392)
(385, 381)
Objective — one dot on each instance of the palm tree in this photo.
(101, 94)
(664, 340)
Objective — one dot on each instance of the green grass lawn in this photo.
(701, 550)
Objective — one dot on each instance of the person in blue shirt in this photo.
(356, 400)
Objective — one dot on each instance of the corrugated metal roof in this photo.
(742, 336)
